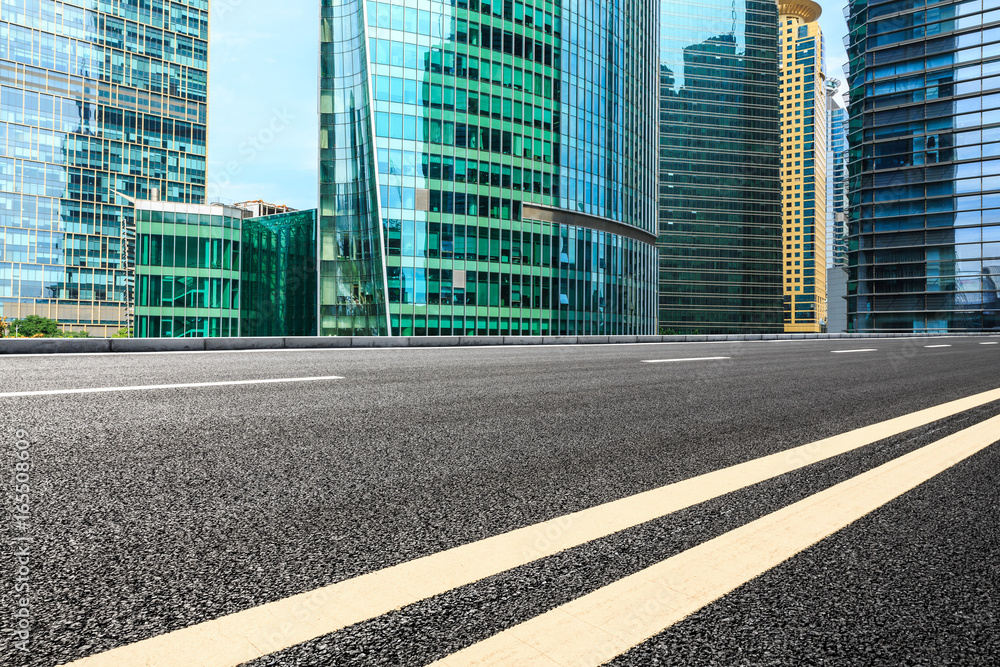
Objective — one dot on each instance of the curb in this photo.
(99, 345)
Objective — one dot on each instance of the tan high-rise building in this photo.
(801, 57)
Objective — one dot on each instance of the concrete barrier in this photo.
(245, 343)
(380, 341)
(434, 341)
(592, 340)
(522, 340)
(482, 340)
(96, 345)
(54, 345)
(314, 342)
(157, 344)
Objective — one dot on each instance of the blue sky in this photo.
(262, 116)
(834, 28)
(262, 134)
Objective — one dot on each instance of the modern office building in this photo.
(924, 227)
(803, 164)
(212, 270)
(836, 211)
(96, 99)
(719, 167)
(487, 167)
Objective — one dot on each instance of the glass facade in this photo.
(719, 167)
(96, 97)
(924, 228)
(836, 179)
(803, 164)
(278, 286)
(487, 168)
(187, 271)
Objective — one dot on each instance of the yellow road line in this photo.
(249, 634)
(596, 628)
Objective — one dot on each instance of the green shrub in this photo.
(33, 325)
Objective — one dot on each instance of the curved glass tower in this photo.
(487, 168)
(924, 227)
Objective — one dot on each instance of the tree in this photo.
(33, 325)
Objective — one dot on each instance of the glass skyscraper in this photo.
(96, 98)
(487, 167)
(720, 155)
(924, 229)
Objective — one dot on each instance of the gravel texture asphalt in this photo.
(153, 510)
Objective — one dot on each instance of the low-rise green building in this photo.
(210, 270)
(187, 270)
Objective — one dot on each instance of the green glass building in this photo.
(210, 271)
(720, 222)
(487, 168)
(278, 286)
(187, 270)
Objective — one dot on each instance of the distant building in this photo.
(924, 225)
(208, 270)
(719, 168)
(803, 164)
(836, 179)
(259, 208)
(836, 212)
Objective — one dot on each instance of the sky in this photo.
(834, 28)
(262, 127)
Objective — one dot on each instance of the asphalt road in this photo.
(156, 509)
